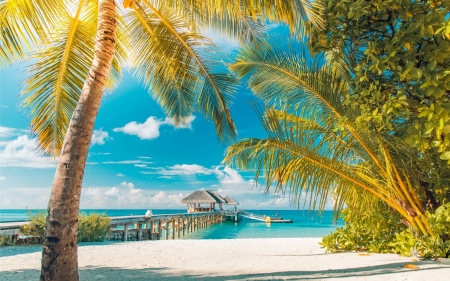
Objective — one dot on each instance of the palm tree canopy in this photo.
(314, 146)
(161, 41)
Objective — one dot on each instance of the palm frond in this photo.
(277, 65)
(308, 159)
(177, 67)
(54, 82)
(295, 13)
(25, 25)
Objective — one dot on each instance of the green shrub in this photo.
(434, 246)
(364, 231)
(7, 240)
(381, 232)
(91, 228)
(36, 227)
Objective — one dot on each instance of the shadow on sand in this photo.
(114, 273)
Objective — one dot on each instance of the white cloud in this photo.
(120, 175)
(23, 152)
(127, 162)
(126, 195)
(100, 137)
(226, 175)
(24, 197)
(230, 176)
(6, 132)
(225, 43)
(2, 178)
(184, 169)
(150, 128)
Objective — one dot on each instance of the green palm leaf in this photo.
(174, 64)
(54, 83)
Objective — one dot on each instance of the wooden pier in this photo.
(161, 226)
(136, 228)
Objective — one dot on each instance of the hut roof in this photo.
(219, 198)
(203, 197)
(231, 201)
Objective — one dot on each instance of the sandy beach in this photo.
(236, 259)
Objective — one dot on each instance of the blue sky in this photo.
(137, 159)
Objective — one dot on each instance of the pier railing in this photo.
(154, 227)
(161, 226)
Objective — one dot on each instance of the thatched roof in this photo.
(203, 197)
(231, 201)
(219, 198)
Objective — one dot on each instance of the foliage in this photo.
(36, 227)
(369, 231)
(396, 56)
(314, 145)
(380, 232)
(7, 240)
(93, 227)
(160, 41)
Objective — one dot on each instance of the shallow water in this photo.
(305, 224)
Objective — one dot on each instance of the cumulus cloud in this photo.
(225, 175)
(2, 178)
(24, 197)
(23, 152)
(100, 137)
(120, 175)
(6, 132)
(126, 195)
(150, 128)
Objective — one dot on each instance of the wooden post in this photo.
(125, 232)
(139, 234)
(159, 229)
(184, 226)
(151, 230)
(173, 228)
(167, 228)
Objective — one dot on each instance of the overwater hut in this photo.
(201, 197)
(231, 201)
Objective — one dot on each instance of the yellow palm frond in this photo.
(54, 83)
(176, 66)
(24, 25)
(295, 13)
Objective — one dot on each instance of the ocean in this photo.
(305, 224)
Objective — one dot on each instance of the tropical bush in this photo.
(91, 228)
(6, 240)
(381, 232)
(319, 145)
(36, 227)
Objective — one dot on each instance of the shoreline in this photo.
(222, 259)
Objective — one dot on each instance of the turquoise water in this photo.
(305, 224)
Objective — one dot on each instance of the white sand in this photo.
(240, 259)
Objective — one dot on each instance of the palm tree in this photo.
(77, 49)
(314, 146)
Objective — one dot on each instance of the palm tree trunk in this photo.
(60, 250)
